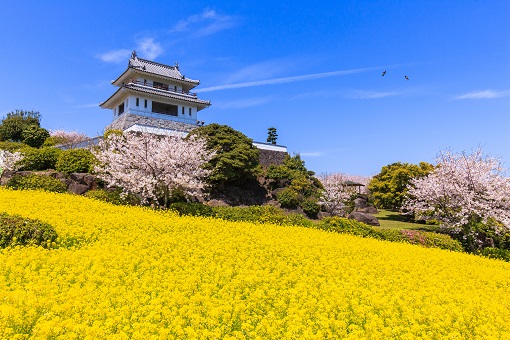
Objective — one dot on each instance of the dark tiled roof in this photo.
(158, 69)
(167, 94)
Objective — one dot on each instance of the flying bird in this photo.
(384, 72)
(407, 78)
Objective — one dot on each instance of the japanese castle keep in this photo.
(156, 98)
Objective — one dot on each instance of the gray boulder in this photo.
(217, 203)
(77, 177)
(77, 188)
(364, 217)
(369, 210)
(360, 202)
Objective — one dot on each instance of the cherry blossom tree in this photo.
(152, 166)
(9, 161)
(70, 138)
(337, 190)
(462, 192)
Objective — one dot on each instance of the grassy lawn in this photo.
(394, 220)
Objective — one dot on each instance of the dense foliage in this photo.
(390, 186)
(12, 126)
(294, 183)
(36, 182)
(139, 273)
(34, 136)
(272, 136)
(467, 193)
(115, 196)
(16, 230)
(75, 160)
(44, 158)
(254, 214)
(423, 238)
(235, 159)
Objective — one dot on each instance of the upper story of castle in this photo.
(156, 91)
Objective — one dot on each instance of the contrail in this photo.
(285, 79)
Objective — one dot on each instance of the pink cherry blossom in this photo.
(152, 166)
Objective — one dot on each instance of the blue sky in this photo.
(310, 69)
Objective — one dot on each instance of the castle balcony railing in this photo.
(163, 88)
(161, 116)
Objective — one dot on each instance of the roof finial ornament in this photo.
(133, 55)
(177, 65)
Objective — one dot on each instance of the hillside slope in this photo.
(136, 272)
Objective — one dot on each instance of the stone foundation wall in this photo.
(268, 157)
(127, 120)
(77, 183)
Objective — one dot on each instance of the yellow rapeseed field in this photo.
(132, 273)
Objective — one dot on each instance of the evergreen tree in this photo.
(12, 126)
(236, 159)
(272, 135)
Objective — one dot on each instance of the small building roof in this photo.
(353, 184)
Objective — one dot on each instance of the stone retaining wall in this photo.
(77, 183)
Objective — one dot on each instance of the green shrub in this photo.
(297, 220)
(347, 226)
(115, 197)
(11, 146)
(310, 207)
(36, 182)
(39, 159)
(192, 209)
(34, 136)
(16, 230)
(495, 253)
(75, 160)
(423, 238)
(288, 198)
(261, 214)
(255, 214)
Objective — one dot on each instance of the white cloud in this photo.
(242, 103)
(261, 70)
(205, 23)
(371, 94)
(148, 48)
(115, 56)
(311, 154)
(486, 94)
(283, 80)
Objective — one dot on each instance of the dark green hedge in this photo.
(255, 214)
(423, 238)
(36, 182)
(16, 230)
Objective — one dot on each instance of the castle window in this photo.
(167, 109)
(160, 85)
(121, 109)
(145, 81)
(145, 104)
(190, 111)
(137, 101)
(183, 110)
